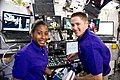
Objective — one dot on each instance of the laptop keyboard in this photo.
(104, 38)
(16, 36)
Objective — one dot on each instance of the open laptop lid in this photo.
(15, 22)
(106, 28)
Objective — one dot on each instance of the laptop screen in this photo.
(106, 28)
(71, 47)
(15, 22)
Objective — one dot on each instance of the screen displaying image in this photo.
(54, 22)
(94, 25)
(71, 47)
(15, 21)
(66, 23)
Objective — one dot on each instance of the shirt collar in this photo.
(84, 35)
(36, 46)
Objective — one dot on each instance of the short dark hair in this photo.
(82, 15)
(37, 23)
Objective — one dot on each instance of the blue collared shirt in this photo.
(30, 62)
(94, 54)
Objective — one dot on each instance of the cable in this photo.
(3, 61)
(7, 63)
(60, 33)
(87, 2)
(0, 20)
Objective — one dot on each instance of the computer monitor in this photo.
(54, 22)
(71, 47)
(66, 23)
(106, 28)
(12, 21)
(94, 24)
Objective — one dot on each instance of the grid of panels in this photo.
(44, 7)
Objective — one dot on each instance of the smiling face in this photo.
(40, 35)
(79, 26)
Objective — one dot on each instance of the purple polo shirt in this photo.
(94, 54)
(30, 62)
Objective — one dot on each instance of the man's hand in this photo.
(71, 56)
(90, 77)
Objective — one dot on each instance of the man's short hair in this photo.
(82, 15)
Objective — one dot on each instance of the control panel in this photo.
(57, 61)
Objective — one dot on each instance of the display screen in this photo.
(71, 47)
(54, 22)
(106, 28)
(15, 21)
(94, 25)
(66, 23)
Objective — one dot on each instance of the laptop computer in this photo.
(15, 27)
(106, 30)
